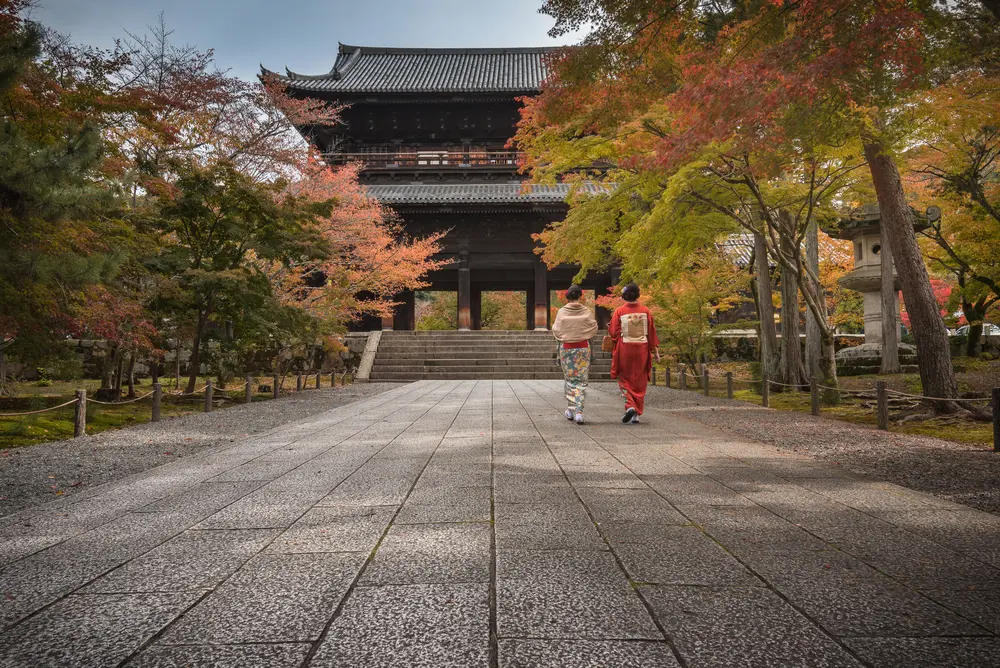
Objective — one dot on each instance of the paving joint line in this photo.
(279, 532)
(494, 640)
(768, 585)
(98, 491)
(667, 639)
(324, 632)
(830, 546)
(76, 590)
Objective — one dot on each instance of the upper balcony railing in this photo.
(429, 159)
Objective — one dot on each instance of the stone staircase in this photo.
(506, 355)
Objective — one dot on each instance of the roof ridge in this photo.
(402, 50)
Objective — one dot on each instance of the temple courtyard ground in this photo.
(467, 523)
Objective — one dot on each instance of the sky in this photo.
(303, 34)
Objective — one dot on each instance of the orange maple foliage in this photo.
(370, 254)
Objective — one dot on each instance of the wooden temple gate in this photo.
(431, 127)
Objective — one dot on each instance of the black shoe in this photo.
(629, 414)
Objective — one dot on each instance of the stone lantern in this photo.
(862, 228)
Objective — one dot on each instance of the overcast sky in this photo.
(303, 34)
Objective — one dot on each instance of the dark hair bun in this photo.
(630, 292)
(574, 292)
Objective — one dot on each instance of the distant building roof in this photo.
(738, 248)
(475, 193)
(365, 69)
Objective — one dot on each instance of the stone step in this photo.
(393, 368)
(546, 336)
(537, 375)
(466, 347)
(475, 354)
(511, 361)
(472, 333)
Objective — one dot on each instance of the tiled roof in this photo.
(738, 248)
(475, 193)
(363, 69)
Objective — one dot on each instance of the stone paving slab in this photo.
(414, 626)
(91, 630)
(586, 654)
(280, 655)
(467, 523)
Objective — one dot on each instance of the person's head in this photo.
(574, 294)
(630, 292)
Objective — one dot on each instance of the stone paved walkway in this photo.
(469, 524)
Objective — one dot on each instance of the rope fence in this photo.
(43, 410)
(157, 395)
(881, 395)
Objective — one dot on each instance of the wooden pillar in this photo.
(476, 308)
(529, 307)
(601, 288)
(541, 295)
(464, 292)
(405, 315)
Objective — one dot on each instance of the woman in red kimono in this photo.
(635, 346)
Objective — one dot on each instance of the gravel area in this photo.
(39, 473)
(958, 472)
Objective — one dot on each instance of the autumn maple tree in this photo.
(657, 85)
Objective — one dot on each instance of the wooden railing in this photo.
(429, 158)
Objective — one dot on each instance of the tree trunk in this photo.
(890, 311)
(119, 370)
(973, 313)
(937, 376)
(765, 309)
(3, 369)
(194, 363)
(108, 369)
(973, 339)
(130, 374)
(790, 371)
(814, 343)
(203, 314)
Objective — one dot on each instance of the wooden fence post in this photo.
(652, 372)
(298, 382)
(882, 405)
(683, 376)
(319, 377)
(208, 396)
(704, 380)
(274, 386)
(80, 414)
(157, 397)
(729, 384)
(333, 379)
(248, 390)
(996, 419)
(765, 391)
(814, 395)
(667, 377)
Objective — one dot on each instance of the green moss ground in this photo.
(58, 425)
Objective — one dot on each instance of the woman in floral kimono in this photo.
(635, 346)
(574, 326)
